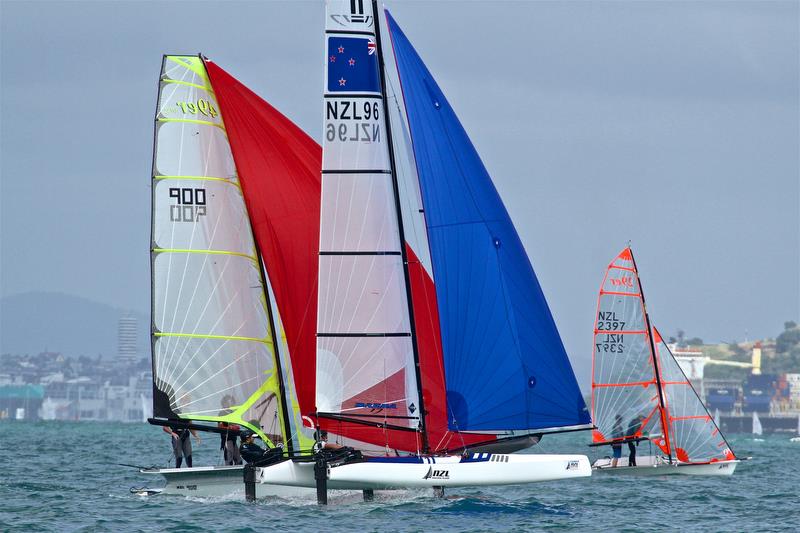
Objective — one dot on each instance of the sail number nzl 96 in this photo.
(352, 121)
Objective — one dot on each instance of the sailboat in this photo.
(437, 355)
(640, 393)
(757, 429)
(235, 218)
(797, 438)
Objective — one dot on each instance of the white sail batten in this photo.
(365, 363)
(212, 348)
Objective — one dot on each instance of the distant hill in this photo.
(33, 321)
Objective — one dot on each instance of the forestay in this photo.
(212, 349)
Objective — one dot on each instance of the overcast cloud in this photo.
(670, 124)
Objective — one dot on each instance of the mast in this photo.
(287, 431)
(398, 209)
(152, 245)
(664, 415)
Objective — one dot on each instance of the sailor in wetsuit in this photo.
(633, 428)
(182, 444)
(323, 444)
(616, 435)
(228, 445)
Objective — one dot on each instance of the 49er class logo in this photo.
(190, 204)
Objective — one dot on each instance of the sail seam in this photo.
(192, 121)
(336, 252)
(204, 178)
(351, 95)
(220, 337)
(356, 335)
(636, 294)
(188, 83)
(187, 64)
(210, 252)
(357, 171)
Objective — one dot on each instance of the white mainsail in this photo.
(365, 362)
(212, 349)
(624, 384)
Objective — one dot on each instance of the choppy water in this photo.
(64, 477)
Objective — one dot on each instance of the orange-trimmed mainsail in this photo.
(626, 399)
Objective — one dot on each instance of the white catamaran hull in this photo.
(656, 466)
(479, 469)
(214, 481)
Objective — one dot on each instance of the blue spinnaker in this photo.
(505, 364)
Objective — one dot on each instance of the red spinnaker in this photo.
(279, 171)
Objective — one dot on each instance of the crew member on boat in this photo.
(227, 443)
(634, 427)
(616, 434)
(182, 444)
(323, 444)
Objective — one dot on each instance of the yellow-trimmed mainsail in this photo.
(214, 355)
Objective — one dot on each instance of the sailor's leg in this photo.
(237, 456)
(177, 450)
(186, 448)
(230, 452)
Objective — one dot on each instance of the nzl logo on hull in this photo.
(437, 474)
(190, 204)
(356, 15)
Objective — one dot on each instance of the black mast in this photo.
(398, 208)
(664, 419)
(276, 351)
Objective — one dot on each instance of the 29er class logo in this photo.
(190, 204)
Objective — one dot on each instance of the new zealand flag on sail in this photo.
(353, 65)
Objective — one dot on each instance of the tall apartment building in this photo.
(127, 332)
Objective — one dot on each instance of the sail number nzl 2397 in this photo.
(356, 120)
(609, 342)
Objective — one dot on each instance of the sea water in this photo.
(62, 476)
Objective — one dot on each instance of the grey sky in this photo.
(672, 124)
